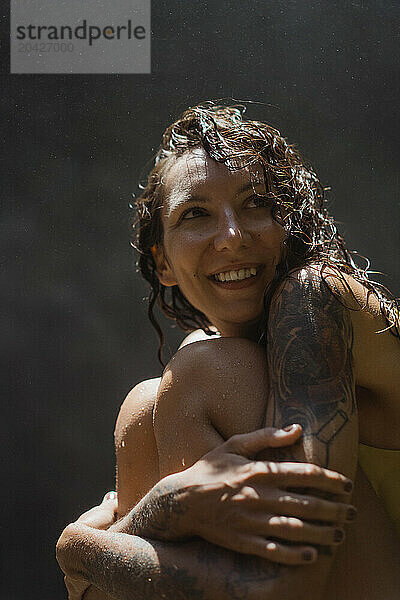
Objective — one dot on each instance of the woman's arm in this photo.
(128, 566)
(98, 517)
(310, 365)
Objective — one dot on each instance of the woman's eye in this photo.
(192, 213)
(258, 202)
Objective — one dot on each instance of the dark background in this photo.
(74, 329)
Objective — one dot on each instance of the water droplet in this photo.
(123, 444)
(183, 462)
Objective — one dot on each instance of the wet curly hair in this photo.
(293, 187)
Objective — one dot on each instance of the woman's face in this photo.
(221, 244)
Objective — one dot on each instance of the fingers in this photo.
(305, 475)
(249, 444)
(103, 515)
(110, 502)
(291, 529)
(312, 508)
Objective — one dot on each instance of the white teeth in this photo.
(236, 275)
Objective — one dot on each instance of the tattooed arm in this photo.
(129, 567)
(309, 354)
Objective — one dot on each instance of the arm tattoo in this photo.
(194, 570)
(309, 347)
(249, 572)
(127, 567)
(157, 515)
(238, 575)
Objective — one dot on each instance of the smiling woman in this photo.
(234, 238)
(253, 159)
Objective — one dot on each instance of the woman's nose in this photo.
(231, 233)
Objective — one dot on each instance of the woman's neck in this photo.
(250, 331)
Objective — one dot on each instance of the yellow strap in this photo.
(382, 467)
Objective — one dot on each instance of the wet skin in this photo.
(214, 223)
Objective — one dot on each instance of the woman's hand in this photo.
(103, 515)
(249, 506)
(98, 517)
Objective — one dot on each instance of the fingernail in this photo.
(348, 486)
(351, 514)
(290, 427)
(110, 496)
(338, 535)
(307, 555)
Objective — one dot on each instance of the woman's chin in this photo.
(240, 325)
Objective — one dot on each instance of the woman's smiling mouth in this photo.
(236, 278)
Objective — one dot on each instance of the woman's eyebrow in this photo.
(176, 201)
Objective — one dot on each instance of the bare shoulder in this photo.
(199, 355)
(376, 351)
(191, 361)
(376, 358)
(137, 406)
(136, 450)
(310, 285)
(361, 303)
(357, 297)
(306, 310)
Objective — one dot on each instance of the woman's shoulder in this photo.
(355, 295)
(376, 351)
(317, 284)
(142, 393)
(137, 409)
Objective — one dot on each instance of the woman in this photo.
(233, 225)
